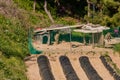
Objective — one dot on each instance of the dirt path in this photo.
(116, 59)
(79, 71)
(56, 68)
(99, 67)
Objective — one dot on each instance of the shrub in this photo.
(117, 48)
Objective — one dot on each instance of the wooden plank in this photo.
(57, 28)
(87, 31)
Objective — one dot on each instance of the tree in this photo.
(34, 5)
(48, 13)
(88, 2)
(58, 3)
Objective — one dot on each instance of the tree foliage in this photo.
(99, 10)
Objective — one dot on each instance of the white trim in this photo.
(57, 28)
(88, 31)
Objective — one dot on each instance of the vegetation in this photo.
(117, 48)
(12, 68)
(13, 48)
(113, 65)
(16, 16)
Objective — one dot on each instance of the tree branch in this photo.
(34, 4)
(48, 13)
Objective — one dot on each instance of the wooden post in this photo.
(57, 38)
(84, 41)
(41, 39)
(93, 40)
(70, 41)
(49, 41)
(101, 39)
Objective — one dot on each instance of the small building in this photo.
(47, 32)
(96, 32)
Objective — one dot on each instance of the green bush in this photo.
(12, 68)
(13, 38)
(13, 48)
(24, 4)
(117, 48)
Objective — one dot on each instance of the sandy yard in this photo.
(53, 52)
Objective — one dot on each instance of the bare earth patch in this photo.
(53, 52)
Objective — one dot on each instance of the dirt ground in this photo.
(53, 52)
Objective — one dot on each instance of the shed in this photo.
(95, 30)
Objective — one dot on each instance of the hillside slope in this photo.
(14, 25)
